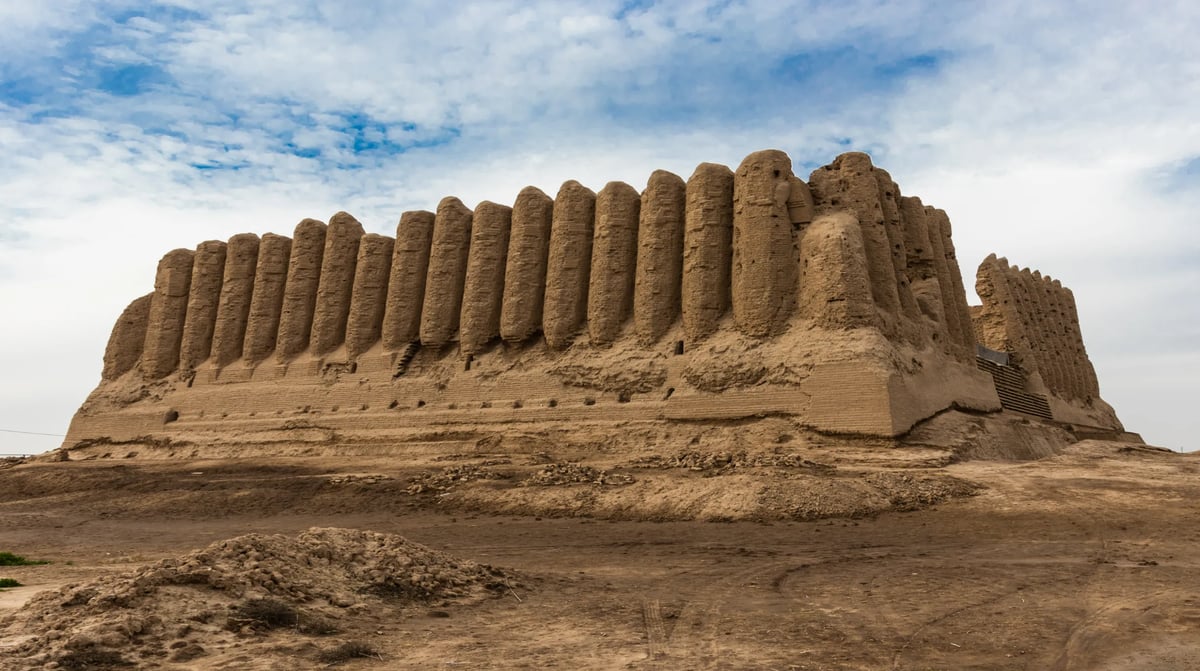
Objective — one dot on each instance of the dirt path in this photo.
(1082, 561)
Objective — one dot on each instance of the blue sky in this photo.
(1063, 136)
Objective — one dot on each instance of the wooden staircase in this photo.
(1010, 386)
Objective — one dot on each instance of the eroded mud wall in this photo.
(1035, 318)
(525, 268)
(614, 261)
(835, 289)
(447, 273)
(168, 310)
(237, 290)
(568, 264)
(336, 283)
(656, 294)
(849, 184)
(483, 287)
(266, 301)
(127, 339)
(368, 298)
(707, 249)
(204, 294)
(406, 286)
(300, 289)
(763, 276)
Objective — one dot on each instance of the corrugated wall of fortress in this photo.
(1035, 317)
(754, 250)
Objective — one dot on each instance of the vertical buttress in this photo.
(204, 296)
(168, 310)
(525, 269)
(266, 301)
(614, 260)
(237, 290)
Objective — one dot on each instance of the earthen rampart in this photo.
(1034, 317)
(735, 293)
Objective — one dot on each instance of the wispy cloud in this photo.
(1061, 135)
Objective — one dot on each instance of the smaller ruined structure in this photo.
(733, 294)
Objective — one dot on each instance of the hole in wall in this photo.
(623, 397)
(517, 404)
(469, 361)
(393, 405)
(552, 403)
(678, 347)
(171, 416)
(670, 390)
(589, 401)
(420, 404)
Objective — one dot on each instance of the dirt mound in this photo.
(193, 606)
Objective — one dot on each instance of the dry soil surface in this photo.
(1083, 560)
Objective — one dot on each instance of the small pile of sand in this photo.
(181, 608)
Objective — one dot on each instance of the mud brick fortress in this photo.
(731, 295)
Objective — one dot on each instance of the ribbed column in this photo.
(266, 301)
(956, 307)
(707, 249)
(447, 273)
(659, 256)
(764, 270)
(614, 261)
(954, 294)
(1050, 357)
(483, 289)
(1090, 386)
(923, 270)
(127, 339)
(337, 283)
(835, 288)
(207, 270)
(300, 291)
(1063, 339)
(168, 310)
(889, 201)
(406, 288)
(525, 269)
(849, 184)
(237, 290)
(568, 264)
(368, 297)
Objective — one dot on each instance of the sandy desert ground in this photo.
(1086, 559)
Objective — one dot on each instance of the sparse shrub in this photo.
(10, 559)
(274, 614)
(264, 614)
(346, 652)
(91, 659)
(9, 582)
